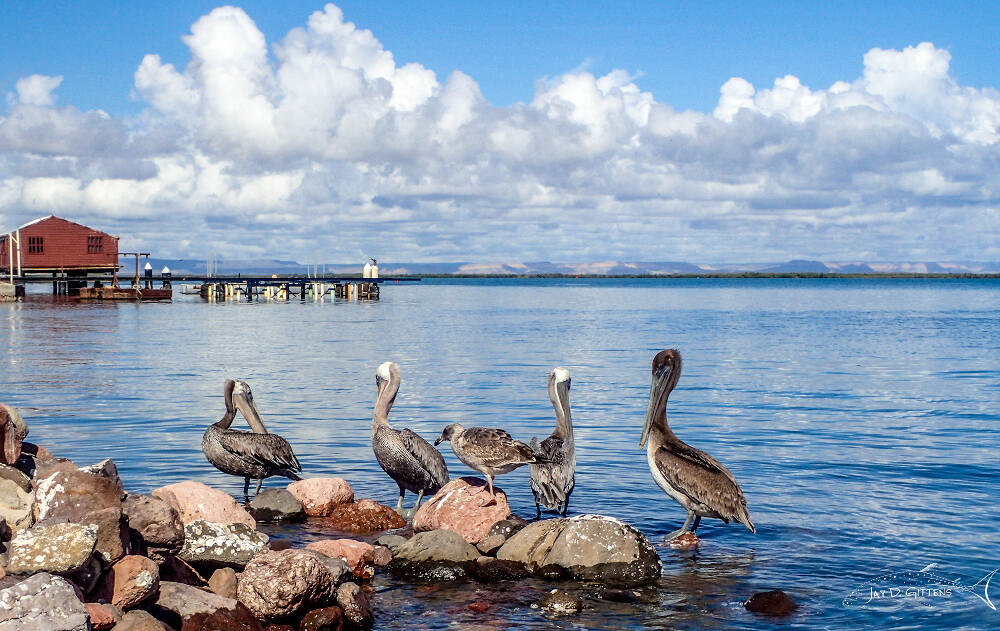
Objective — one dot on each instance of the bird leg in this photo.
(246, 490)
(683, 529)
(420, 497)
(697, 520)
(493, 495)
(565, 507)
(399, 504)
(538, 509)
(260, 483)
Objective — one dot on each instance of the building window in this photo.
(35, 245)
(94, 245)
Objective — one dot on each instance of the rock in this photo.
(437, 555)
(364, 517)
(13, 431)
(15, 505)
(196, 501)
(772, 603)
(585, 547)
(232, 544)
(183, 606)
(319, 496)
(478, 606)
(381, 556)
(491, 544)
(358, 555)
(112, 532)
(157, 522)
(492, 570)
(37, 452)
(276, 505)
(356, 606)
(453, 508)
(325, 619)
(130, 582)
(507, 527)
(223, 582)
(560, 603)
(285, 583)
(16, 476)
(139, 620)
(287, 627)
(176, 570)
(101, 616)
(337, 567)
(390, 541)
(71, 493)
(41, 602)
(59, 548)
(106, 469)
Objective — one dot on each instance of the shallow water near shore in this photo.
(859, 416)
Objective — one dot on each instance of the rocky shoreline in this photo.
(78, 551)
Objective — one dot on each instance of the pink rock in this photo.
(319, 496)
(194, 501)
(130, 581)
(358, 555)
(459, 506)
(101, 616)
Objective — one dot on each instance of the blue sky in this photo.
(519, 129)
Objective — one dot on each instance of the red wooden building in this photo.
(53, 245)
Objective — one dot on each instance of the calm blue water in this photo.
(859, 416)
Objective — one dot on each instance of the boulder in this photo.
(139, 620)
(491, 544)
(105, 469)
(102, 616)
(15, 505)
(112, 532)
(437, 555)
(459, 506)
(390, 541)
(772, 603)
(177, 570)
(381, 556)
(507, 527)
(184, 606)
(285, 583)
(156, 522)
(356, 606)
(13, 431)
(559, 602)
(492, 570)
(358, 555)
(223, 582)
(276, 505)
(585, 547)
(337, 567)
(41, 602)
(196, 501)
(59, 548)
(233, 544)
(130, 582)
(319, 496)
(70, 493)
(364, 517)
(16, 476)
(325, 619)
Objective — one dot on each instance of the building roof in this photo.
(46, 218)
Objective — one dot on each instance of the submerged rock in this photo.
(320, 496)
(437, 555)
(492, 570)
(275, 506)
(364, 517)
(585, 547)
(206, 541)
(390, 541)
(196, 501)
(41, 602)
(772, 603)
(157, 522)
(560, 603)
(463, 506)
(285, 583)
(59, 548)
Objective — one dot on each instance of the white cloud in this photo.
(321, 141)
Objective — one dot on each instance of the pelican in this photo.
(552, 483)
(255, 454)
(489, 451)
(696, 480)
(404, 455)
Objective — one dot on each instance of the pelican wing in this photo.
(494, 447)
(703, 479)
(426, 455)
(269, 450)
(551, 449)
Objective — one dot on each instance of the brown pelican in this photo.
(696, 480)
(405, 456)
(255, 454)
(489, 451)
(552, 483)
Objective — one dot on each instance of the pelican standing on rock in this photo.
(552, 483)
(489, 451)
(410, 460)
(696, 480)
(255, 454)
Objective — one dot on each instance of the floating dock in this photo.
(281, 289)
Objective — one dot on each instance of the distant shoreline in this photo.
(720, 275)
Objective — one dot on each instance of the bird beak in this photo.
(440, 439)
(650, 412)
(249, 410)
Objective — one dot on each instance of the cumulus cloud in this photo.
(320, 143)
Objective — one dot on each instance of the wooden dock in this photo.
(283, 289)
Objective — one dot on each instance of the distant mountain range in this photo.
(265, 267)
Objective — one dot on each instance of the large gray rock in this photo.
(233, 544)
(277, 505)
(42, 602)
(59, 548)
(283, 583)
(180, 605)
(434, 556)
(15, 505)
(156, 521)
(585, 547)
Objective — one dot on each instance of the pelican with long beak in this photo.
(489, 451)
(404, 455)
(255, 454)
(696, 480)
(552, 483)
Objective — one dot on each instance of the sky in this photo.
(717, 132)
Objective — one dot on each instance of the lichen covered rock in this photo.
(233, 544)
(42, 601)
(59, 548)
(285, 583)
